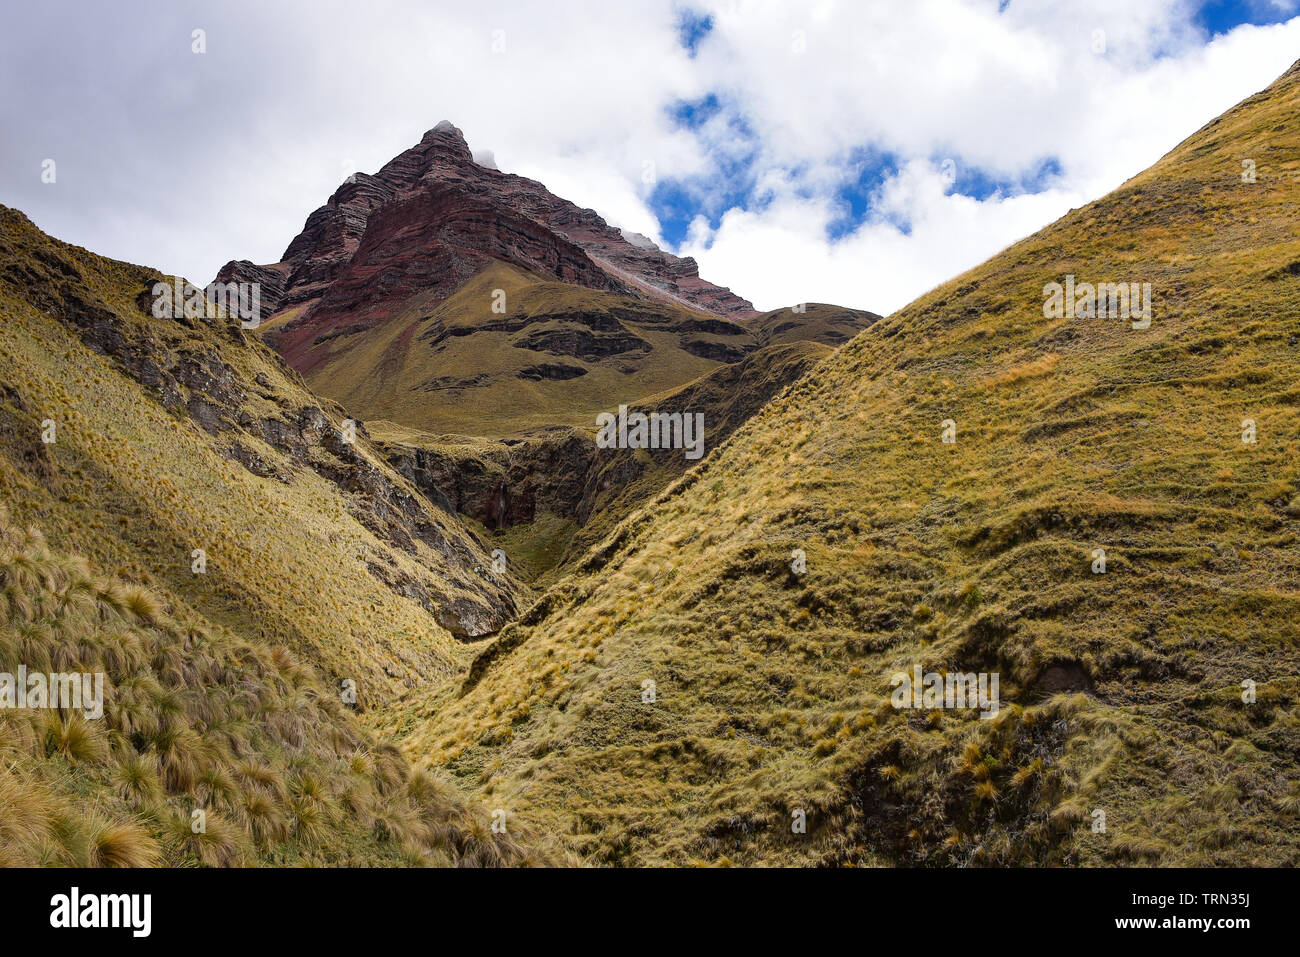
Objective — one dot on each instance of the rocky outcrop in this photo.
(468, 619)
(429, 242)
(271, 280)
(502, 485)
(438, 179)
(20, 438)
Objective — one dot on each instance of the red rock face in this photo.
(430, 219)
(430, 242)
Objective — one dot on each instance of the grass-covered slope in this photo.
(510, 351)
(1122, 692)
(173, 435)
(196, 719)
(622, 481)
(223, 689)
(809, 322)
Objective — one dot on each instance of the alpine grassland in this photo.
(1104, 516)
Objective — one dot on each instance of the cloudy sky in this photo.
(833, 150)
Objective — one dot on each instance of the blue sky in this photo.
(693, 26)
(1221, 16)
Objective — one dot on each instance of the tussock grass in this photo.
(122, 791)
(176, 435)
(220, 689)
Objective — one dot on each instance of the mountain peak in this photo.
(445, 134)
(442, 162)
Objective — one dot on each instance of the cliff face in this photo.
(562, 474)
(435, 216)
(429, 242)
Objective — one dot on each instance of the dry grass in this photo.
(313, 553)
(220, 689)
(122, 791)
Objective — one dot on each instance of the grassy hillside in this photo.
(176, 435)
(727, 398)
(1121, 692)
(197, 719)
(548, 497)
(814, 322)
(557, 354)
(222, 687)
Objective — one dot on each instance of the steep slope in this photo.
(198, 438)
(1147, 706)
(227, 558)
(207, 749)
(425, 247)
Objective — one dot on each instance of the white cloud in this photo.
(1000, 92)
(184, 161)
(877, 267)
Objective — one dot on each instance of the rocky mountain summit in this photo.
(434, 215)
